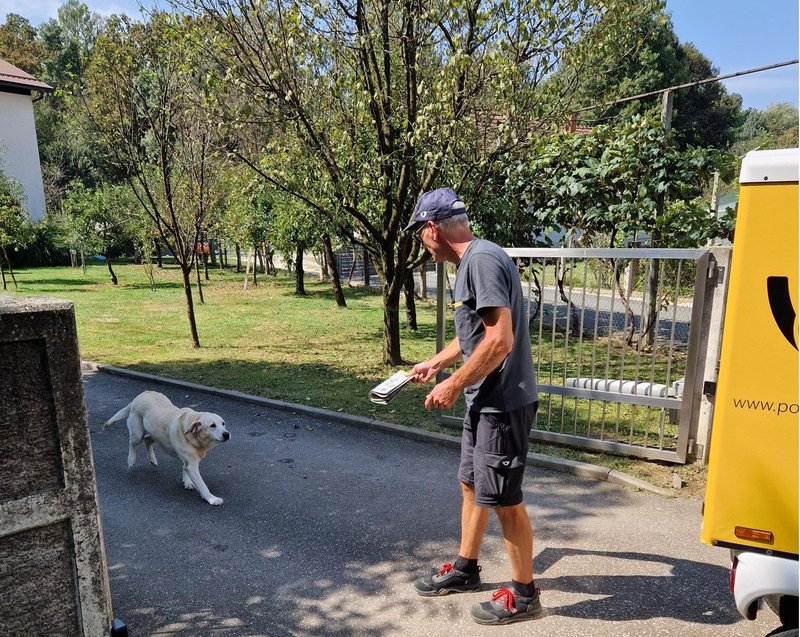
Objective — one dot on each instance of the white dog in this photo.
(183, 433)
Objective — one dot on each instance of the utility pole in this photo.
(666, 111)
(652, 273)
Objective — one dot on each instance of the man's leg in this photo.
(474, 520)
(464, 573)
(520, 601)
(518, 534)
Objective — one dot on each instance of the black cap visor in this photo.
(413, 226)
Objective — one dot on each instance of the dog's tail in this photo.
(122, 414)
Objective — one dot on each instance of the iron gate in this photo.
(619, 340)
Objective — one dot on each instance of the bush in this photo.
(46, 247)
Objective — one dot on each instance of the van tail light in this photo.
(732, 577)
(757, 535)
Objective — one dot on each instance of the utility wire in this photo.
(687, 85)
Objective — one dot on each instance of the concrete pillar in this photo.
(53, 573)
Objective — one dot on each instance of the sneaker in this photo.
(505, 607)
(448, 580)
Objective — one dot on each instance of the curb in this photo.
(580, 469)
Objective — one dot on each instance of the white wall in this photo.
(19, 150)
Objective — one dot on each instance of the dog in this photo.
(183, 433)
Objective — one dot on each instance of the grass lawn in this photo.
(265, 341)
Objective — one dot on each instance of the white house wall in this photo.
(19, 150)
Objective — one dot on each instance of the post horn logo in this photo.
(780, 302)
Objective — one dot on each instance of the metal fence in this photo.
(618, 339)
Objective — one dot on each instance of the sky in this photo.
(735, 35)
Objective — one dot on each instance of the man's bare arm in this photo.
(490, 353)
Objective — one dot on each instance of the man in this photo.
(499, 387)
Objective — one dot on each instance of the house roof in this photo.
(12, 77)
(488, 122)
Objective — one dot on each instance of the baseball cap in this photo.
(435, 205)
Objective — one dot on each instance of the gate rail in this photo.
(638, 335)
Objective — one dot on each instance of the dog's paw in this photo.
(214, 500)
(188, 485)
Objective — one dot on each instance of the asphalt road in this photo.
(325, 527)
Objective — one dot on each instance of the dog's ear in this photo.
(193, 428)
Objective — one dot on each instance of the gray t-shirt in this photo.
(487, 277)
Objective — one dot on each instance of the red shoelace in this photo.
(507, 597)
(446, 569)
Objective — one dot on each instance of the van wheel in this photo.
(787, 611)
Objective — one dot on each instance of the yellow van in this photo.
(751, 500)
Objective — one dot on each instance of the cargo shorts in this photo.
(494, 447)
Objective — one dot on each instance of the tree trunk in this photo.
(205, 257)
(254, 253)
(628, 311)
(652, 298)
(270, 254)
(111, 270)
(199, 282)
(299, 282)
(246, 267)
(366, 269)
(158, 254)
(391, 324)
(148, 268)
(10, 269)
(212, 249)
(411, 306)
(324, 269)
(334, 270)
(260, 257)
(238, 258)
(3, 274)
(352, 268)
(186, 271)
(537, 286)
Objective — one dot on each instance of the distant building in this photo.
(19, 149)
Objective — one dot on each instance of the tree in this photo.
(144, 99)
(248, 214)
(58, 52)
(295, 228)
(14, 221)
(705, 115)
(98, 219)
(69, 41)
(19, 46)
(67, 140)
(383, 100)
(607, 184)
(773, 127)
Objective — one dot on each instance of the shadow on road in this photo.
(677, 588)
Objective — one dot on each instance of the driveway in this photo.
(325, 526)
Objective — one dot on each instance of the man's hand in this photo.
(424, 372)
(443, 396)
